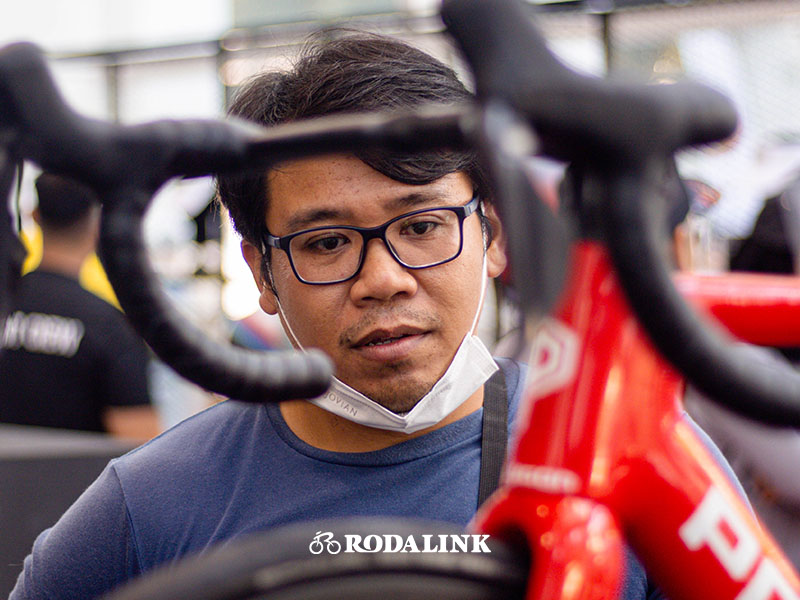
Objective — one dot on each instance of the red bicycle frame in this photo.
(619, 460)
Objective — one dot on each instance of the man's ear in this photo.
(496, 258)
(266, 297)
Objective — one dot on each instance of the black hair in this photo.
(352, 73)
(767, 249)
(62, 202)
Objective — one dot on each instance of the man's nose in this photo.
(381, 276)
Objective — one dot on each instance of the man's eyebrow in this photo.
(319, 216)
(323, 216)
(419, 199)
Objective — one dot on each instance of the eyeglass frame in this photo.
(370, 233)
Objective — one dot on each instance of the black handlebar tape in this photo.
(126, 165)
(727, 372)
(41, 127)
(235, 372)
(431, 127)
(12, 251)
(622, 132)
(578, 116)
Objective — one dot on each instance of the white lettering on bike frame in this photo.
(553, 358)
(552, 364)
(552, 480)
(766, 583)
(707, 527)
(715, 524)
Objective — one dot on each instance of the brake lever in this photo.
(533, 229)
(578, 117)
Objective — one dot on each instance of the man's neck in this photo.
(62, 260)
(327, 431)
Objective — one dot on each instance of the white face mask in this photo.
(470, 368)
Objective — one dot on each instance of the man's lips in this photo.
(390, 346)
(383, 337)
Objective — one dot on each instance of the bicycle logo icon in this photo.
(323, 540)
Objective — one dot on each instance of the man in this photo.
(381, 261)
(70, 360)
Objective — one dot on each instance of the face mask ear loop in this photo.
(271, 283)
(484, 280)
(288, 325)
(266, 266)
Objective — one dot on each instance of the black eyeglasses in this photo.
(417, 240)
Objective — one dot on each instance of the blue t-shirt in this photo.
(237, 469)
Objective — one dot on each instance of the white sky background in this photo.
(98, 25)
(93, 25)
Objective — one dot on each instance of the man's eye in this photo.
(419, 228)
(326, 243)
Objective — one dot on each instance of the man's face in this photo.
(390, 331)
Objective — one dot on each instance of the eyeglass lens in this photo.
(419, 240)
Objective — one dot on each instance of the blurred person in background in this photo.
(70, 359)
